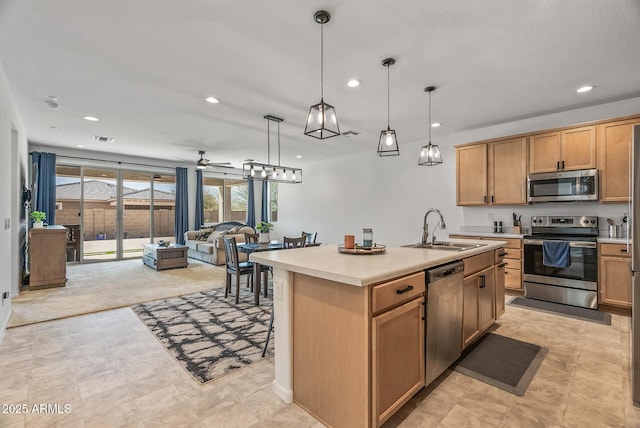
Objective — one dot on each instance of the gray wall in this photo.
(13, 173)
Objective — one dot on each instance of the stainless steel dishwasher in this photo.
(444, 318)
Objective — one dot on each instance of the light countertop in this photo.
(607, 240)
(362, 270)
(497, 236)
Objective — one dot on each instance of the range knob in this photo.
(585, 221)
(593, 221)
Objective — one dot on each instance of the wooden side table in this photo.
(47, 257)
(159, 258)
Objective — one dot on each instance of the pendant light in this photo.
(268, 171)
(322, 121)
(388, 144)
(430, 154)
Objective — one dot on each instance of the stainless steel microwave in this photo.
(566, 186)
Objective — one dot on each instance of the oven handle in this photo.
(576, 244)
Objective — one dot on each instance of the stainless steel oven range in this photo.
(576, 281)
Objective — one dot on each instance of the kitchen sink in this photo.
(446, 245)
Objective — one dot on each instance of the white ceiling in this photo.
(144, 68)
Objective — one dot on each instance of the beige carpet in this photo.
(97, 287)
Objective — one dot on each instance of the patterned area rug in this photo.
(210, 336)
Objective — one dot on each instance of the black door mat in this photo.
(564, 310)
(503, 362)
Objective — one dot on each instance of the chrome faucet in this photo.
(425, 227)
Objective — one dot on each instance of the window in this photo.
(224, 200)
(273, 201)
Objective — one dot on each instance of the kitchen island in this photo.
(335, 314)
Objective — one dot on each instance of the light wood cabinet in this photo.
(499, 282)
(477, 304)
(508, 172)
(397, 358)
(471, 175)
(492, 173)
(478, 296)
(567, 150)
(614, 270)
(614, 159)
(512, 259)
(47, 257)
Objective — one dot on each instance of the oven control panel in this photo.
(564, 221)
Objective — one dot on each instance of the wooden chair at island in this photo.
(294, 242)
(235, 267)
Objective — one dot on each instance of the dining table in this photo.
(253, 247)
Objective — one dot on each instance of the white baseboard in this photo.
(285, 394)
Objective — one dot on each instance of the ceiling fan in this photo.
(202, 163)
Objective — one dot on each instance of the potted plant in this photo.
(264, 227)
(38, 219)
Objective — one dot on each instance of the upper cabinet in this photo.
(567, 150)
(492, 173)
(471, 175)
(614, 157)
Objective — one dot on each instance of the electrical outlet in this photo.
(7, 223)
(490, 216)
(277, 290)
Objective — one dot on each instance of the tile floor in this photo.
(111, 371)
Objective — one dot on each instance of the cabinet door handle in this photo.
(405, 289)
(491, 198)
(562, 164)
(484, 199)
(483, 281)
(502, 254)
(624, 250)
(558, 165)
(501, 265)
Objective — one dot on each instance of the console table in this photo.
(47, 257)
(159, 257)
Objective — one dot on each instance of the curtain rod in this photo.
(134, 163)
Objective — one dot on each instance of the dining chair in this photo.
(294, 242)
(251, 238)
(235, 267)
(310, 237)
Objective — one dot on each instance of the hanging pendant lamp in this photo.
(322, 121)
(430, 154)
(388, 144)
(268, 171)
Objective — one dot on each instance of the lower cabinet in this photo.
(614, 267)
(47, 257)
(500, 278)
(478, 305)
(397, 338)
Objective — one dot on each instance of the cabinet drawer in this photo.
(513, 279)
(392, 293)
(513, 243)
(615, 250)
(513, 264)
(477, 263)
(513, 254)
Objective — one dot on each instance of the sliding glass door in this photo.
(112, 213)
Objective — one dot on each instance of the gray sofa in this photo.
(207, 245)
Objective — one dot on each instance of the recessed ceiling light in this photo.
(353, 83)
(435, 124)
(299, 156)
(212, 100)
(584, 89)
(79, 145)
(90, 118)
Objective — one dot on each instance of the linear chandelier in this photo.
(271, 172)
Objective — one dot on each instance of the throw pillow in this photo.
(203, 234)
